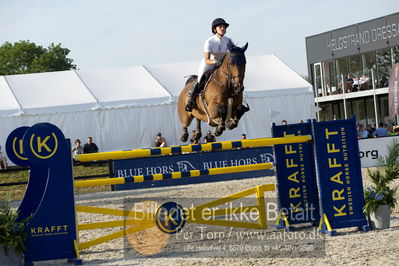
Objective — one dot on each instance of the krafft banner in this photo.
(393, 94)
(339, 174)
(192, 161)
(49, 200)
(296, 177)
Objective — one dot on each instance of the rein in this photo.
(230, 79)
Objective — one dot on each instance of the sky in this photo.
(121, 33)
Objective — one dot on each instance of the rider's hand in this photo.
(218, 63)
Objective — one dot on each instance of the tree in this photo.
(26, 57)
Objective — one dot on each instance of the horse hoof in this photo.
(183, 137)
(218, 133)
(231, 124)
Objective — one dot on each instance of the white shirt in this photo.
(217, 47)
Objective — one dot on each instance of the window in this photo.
(383, 111)
(395, 55)
(383, 63)
(370, 111)
(359, 110)
(349, 109)
(326, 112)
(317, 79)
(355, 65)
(338, 110)
(368, 63)
(330, 82)
(342, 68)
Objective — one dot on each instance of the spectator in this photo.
(355, 85)
(77, 149)
(370, 130)
(383, 83)
(348, 83)
(243, 136)
(284, 122)
(209, 137)
(160, 141)
(3, 160)
(194, 141)
(364, 79)
(381, 131)
(362, 133)
(90, 146)
(391, 132)
(364, 82)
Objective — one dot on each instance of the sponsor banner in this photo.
(192, 161)
(371, 149)
(49, 199)
(393, 95)
(339, 173)
(296, 177)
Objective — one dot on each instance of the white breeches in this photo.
(203, 68)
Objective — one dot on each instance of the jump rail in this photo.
(173, 175)
(216, 146)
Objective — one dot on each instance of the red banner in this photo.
(394, 91)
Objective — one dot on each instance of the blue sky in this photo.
(119, 33)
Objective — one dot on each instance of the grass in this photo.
(17, 192)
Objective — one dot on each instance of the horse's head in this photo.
(236, 67)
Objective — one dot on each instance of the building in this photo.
(338, 60)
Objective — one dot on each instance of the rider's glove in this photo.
(218, 62)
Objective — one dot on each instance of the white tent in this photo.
(124, 108)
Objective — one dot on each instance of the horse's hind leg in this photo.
(187, 121)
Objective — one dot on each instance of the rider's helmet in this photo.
(217, 22)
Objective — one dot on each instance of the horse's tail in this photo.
(191, 79)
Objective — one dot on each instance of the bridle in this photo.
(233, 86)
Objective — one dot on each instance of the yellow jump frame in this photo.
(139, 221)
(133, 225)
(196, 214)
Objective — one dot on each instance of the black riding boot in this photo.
(192, 95)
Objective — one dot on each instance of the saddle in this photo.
(205, 79)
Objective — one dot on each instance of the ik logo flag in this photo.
(394, 91)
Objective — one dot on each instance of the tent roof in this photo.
(120, 87)
(82, 90)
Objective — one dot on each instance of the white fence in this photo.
(371, 149)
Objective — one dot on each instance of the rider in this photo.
(215, 49)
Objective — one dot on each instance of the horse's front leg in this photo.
(222, 113)
(198, 132)
(240, 111)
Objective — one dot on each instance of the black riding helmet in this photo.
(217, 22)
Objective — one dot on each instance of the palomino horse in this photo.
(220, 104)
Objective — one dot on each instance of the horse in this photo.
(220, 104)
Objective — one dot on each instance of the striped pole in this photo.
(174, 150)
(173, 175)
